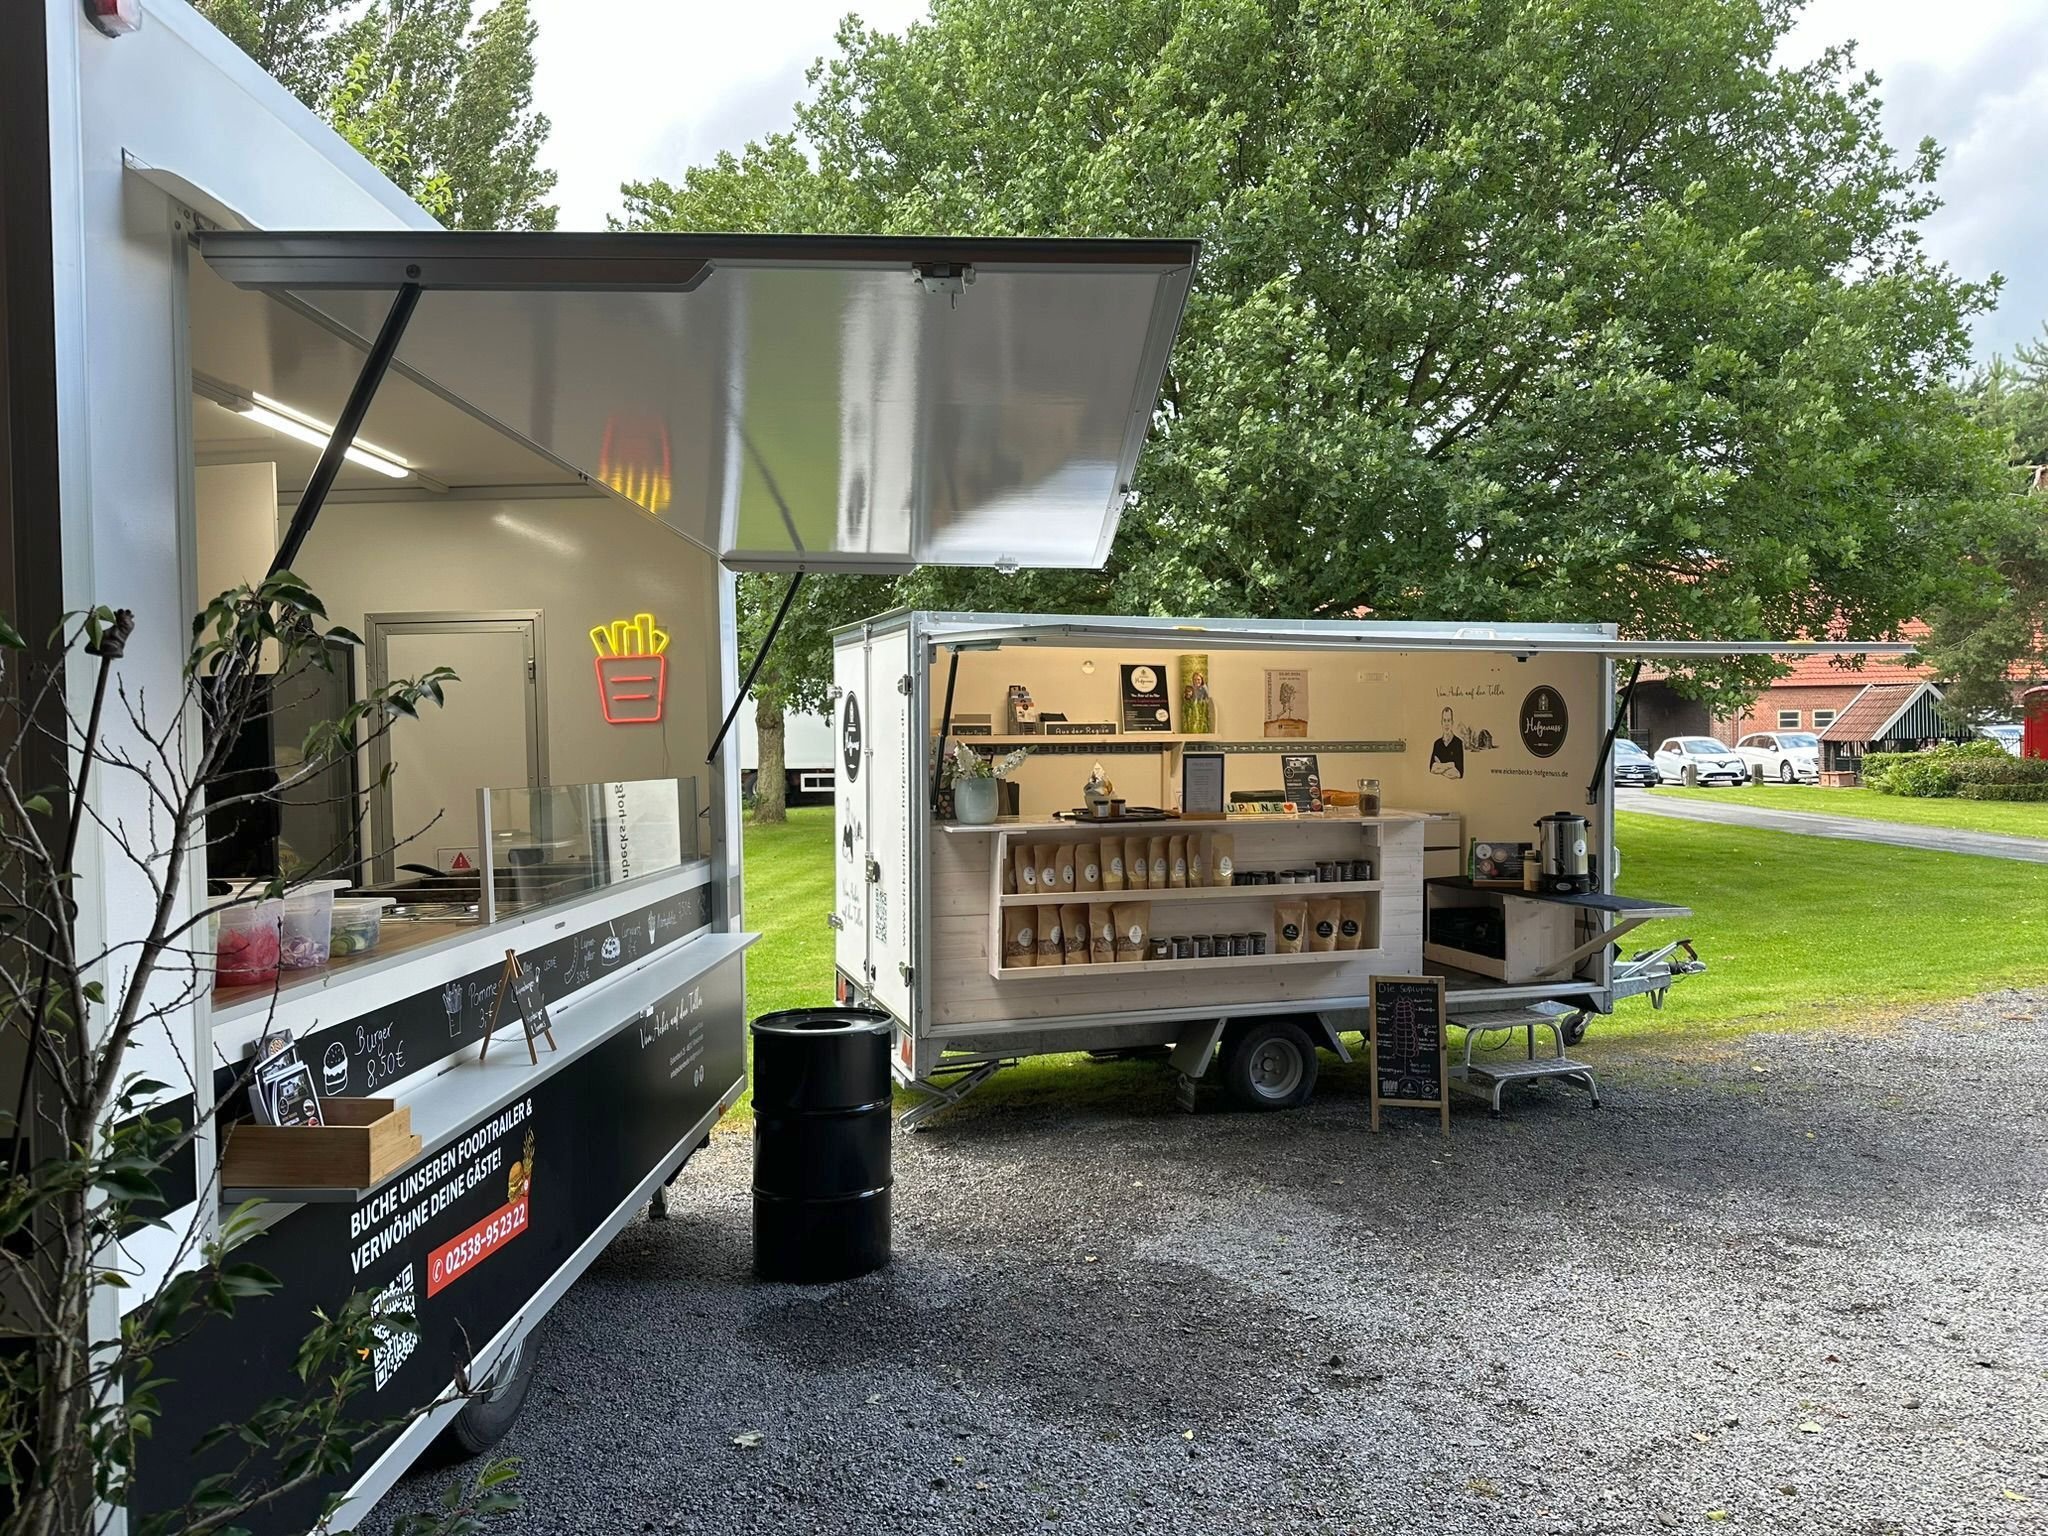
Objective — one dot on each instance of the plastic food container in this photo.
(358, 924)
(245, 945)
(308, 927)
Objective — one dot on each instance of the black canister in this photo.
(1204, 946)
(1258, 943)
(822, 1117)
(1225, 945)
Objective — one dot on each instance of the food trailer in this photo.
(1391, 782)
(537, 459)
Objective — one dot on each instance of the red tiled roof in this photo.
(1869, 711)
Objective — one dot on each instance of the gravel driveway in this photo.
(1788, 1282)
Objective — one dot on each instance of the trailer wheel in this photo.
(1573, 1027)
(484, 1419)
(1271, 1065)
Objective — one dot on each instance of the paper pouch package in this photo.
(1074, 934)
(1137, 863)
(1220, 848)
(1198, 862)
(1290, 927)
(1133, 925)
(1020, 937)
(1351, 915)
(1155, 849)
(1063, 862)
(1050, 950)
(1101, 934)
(1088, 867)
(1112, 864)
(1322, 924)
(1048, 869)
(1024, 858)
(1177, 862)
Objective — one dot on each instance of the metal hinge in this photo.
(529, 669)
(834, 921)
(903, 685)
(903, 969)
(874, 870)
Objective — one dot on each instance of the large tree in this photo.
(1507, 308)
(437, 97)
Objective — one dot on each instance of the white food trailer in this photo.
(230, 346)
(1473, 732)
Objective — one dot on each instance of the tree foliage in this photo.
(439, 100)
(1519, 309)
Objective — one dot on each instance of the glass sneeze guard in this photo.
(545, 845)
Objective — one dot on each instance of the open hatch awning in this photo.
(818, 402)
(1319, 634)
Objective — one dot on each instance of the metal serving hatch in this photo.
(826, 402)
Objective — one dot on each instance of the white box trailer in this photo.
(1473, 732)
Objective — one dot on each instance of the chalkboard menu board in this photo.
(1303, 781)
(1410, 1069)
(522, 984)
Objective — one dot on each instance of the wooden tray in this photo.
(363, 1142)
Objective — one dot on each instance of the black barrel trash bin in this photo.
(822, 1120)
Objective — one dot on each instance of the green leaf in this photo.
(10, 637)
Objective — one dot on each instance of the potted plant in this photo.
(974, 782)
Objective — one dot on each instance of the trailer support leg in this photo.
(940, 1096)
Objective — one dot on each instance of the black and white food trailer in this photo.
(1459, 739)
(231, 345)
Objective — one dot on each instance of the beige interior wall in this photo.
(1362, 695)
(237, 514)
(582, 561)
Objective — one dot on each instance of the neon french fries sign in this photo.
(632, 671)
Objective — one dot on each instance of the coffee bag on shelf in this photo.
(1048, 869)
(1024, 860)
(1020, 937)
(1133, 929)
(1063, 861)
(1112, 863)
(1198, 861)
(1177, 862)
(1290, 927)
(1137, 864)
(1088, 867)
(1220, 848)
(1322, 924)
(1074, 933)
(1351, 920)
(1051, 951)
(1155, 848)
(1101, 933)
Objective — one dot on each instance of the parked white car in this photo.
(2005, 733)
(1790, 757)
(1700, 760)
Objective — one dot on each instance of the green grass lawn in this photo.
(1797, 929)
(2020, 818)
(1794, 930)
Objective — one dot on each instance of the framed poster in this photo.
(1144, 698)
(1286, 703)
(1410, 1067)
(1201, 786)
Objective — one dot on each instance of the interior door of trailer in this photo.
(485, 736)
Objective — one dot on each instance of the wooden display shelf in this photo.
(1194, 827)
(363, 1142)
(1139, 967)
(1174, 894)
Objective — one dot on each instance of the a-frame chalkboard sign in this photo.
(1410, 1062)
(524, 987)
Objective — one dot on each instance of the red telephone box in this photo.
(2034, 723)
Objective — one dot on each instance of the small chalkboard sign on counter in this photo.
(524, 988)
(1410, 1061)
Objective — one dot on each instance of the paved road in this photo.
(1859, 829)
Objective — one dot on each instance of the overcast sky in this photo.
(647, 90)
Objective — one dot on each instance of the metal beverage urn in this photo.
(1562, 864)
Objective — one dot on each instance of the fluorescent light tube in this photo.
(282, 418)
